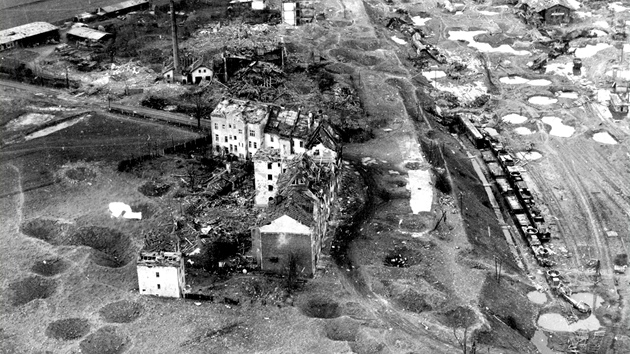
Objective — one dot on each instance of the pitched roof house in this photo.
(553, 12)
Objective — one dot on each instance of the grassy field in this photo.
(18, 12)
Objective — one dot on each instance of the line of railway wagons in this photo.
(518, 198)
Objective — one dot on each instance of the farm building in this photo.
(85, 17)
(161, 274)
(87, 36)
(552, 12)
(28, 35)
(618, 105)
(123, 8)
(192, 72)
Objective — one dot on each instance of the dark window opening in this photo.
(274, 259)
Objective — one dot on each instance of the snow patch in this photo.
(558, 128)
(433, 74)
(421, 190)
(419, 21)
(556, 322)
(599, 33)
(539, 82)
(54, 128)
(590, 50)
(518, 80)
(582, 14)
(514, 80)
(468, 36)
(602, 24)
(30, 119)
(118, 209)
(542, 100)
(514, 118)
(617, 7)
(398, 40)
(574, 4)
(604, 138)
(523, 131)
(568, 94)
(488, 13)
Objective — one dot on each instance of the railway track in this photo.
(563, 225)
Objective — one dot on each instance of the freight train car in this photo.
(503, 185)
(495, 170)
(488, 156)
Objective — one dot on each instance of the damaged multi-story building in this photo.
(238, 127)
(286, 135)
(298, 214)
(161, 273)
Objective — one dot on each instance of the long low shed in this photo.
(87, 34)
(27, 35)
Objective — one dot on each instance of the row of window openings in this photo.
(240, 131)
(251, 133)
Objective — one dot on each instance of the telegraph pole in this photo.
(175, 43)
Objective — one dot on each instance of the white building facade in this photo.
(161, 274)
(238, 127)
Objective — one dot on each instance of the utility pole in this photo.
(175, 43)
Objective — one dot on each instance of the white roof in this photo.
(286, 224)
(25, 31)
(86, 32)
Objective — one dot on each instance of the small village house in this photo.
(193, 71)
(618, 104)
(238, 127)
(161, 274)
(198, 72)
(552, 12)
(28, 35)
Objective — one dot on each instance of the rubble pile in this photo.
(260, 81)
(240, 40)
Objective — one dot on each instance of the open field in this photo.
(18, 12)
(396, 280)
